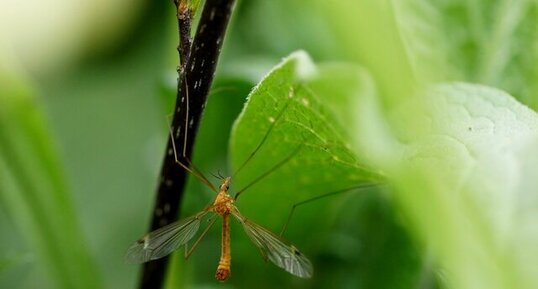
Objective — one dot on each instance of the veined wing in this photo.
(274, 248)
(163, 241)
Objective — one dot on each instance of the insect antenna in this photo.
(217, 176)
(346, 190)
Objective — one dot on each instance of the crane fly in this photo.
(167, 239)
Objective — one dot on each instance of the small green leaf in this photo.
(286, 105)
(302, 105)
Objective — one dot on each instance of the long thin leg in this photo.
(263, 139)
(199, 172)
(188, 251)
(201, 176)
(184, 154)
(274, 168)
(359, 187)
(195, 172)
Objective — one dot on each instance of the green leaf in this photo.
(301, 105)
(286, 106)
(33, 191)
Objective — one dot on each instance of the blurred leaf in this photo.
(464, 179)
(33, 189)
(492, 42)
(460, 176)
(369, 33)
(300, 25)
(455, 154)
(407, 42)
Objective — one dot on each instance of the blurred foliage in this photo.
(83, 127)
(33, 192)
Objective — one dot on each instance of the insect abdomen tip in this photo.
(222, 274)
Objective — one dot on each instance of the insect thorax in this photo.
(223, 203)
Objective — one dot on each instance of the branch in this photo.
(184, 15)
(195, 80)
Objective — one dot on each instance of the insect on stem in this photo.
(163, 241)
(205, 48)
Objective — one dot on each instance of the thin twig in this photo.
(184, 20)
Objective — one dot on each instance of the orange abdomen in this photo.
(223, 270)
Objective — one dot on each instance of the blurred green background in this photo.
(86, 88)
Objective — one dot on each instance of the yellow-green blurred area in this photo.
(87, 89)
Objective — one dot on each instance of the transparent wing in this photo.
(277, 250)
(163, 241)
